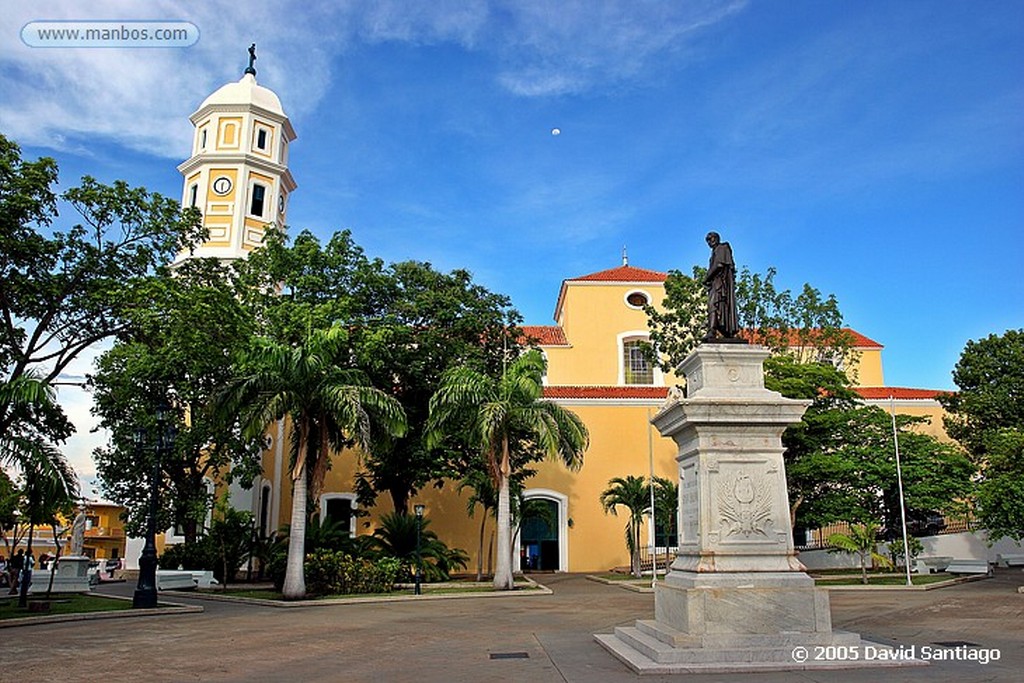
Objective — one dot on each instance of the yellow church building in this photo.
(238, 177)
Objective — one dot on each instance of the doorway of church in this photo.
(538, 544)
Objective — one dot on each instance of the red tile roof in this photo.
(623, 274)
(903, 393)
(546, 335)
(647, 392)
(858, 340)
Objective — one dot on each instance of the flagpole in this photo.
(899, 479)
(654, 522)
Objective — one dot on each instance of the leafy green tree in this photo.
(426, 322)
(634, 494)
(330, 407)
(808, 326)
(230, 534)
(986, 416)
(990, 378)
(493, 415)
(862, 541)
(853, 476)
(64, 291)
(177, 351)
(407, 323)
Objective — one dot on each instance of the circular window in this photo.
(637, 299)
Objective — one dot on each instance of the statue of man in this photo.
(78, 532)
(251, 69)
(721, 284)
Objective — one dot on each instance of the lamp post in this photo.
(419, 559)
(145, 591)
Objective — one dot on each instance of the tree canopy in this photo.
(178, 349)
(986, 416)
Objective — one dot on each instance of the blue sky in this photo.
(872, 149)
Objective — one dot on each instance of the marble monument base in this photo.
(743, 622)
(736, 598)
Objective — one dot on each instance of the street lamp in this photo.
(419, 559)
(145, 591)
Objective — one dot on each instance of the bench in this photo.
(204, 579)
(1008, 560)
(931, 565)
(174, 579)
(968, 567)
(61, 583)
(183, 579)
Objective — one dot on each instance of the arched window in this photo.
(339, 508)
(636, 368)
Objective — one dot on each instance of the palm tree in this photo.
(862, 541)
(330, 407)
(50, 487)
(666, 510)
(634, 494)
(493, 414)
(397, 537)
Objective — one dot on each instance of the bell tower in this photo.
(238, 173)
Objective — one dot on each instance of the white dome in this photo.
(246, 91)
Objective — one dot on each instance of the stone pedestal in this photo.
(73, 566)
(736, 597)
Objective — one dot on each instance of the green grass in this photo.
(616, 576)
(65, 604)
(888, 580)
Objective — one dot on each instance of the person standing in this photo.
(721, 285)
(16, 565)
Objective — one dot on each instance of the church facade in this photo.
(238, 178)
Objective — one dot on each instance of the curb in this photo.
(536, 589)
(926, 587)
(167, 609)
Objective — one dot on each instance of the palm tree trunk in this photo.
(294, 576)
(480, 551)
(503, 571)
(637, 569)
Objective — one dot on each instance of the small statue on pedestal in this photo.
(721, 284)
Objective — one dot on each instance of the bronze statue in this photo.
(252, 60)
(721, 284)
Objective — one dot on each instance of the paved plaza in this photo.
(535, 638)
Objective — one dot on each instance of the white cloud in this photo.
(141, 98)
(68, 99)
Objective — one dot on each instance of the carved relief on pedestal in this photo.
(743, 501)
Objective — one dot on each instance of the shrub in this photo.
(200, 554)
(332, 572)
(896, 550)
(396, 537)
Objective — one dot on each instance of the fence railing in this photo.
(814, 539)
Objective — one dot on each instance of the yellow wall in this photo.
(593, 316)
(866, 368)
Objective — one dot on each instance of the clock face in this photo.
(222, 185)
(280, 204)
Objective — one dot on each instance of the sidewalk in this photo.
(536, 639)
